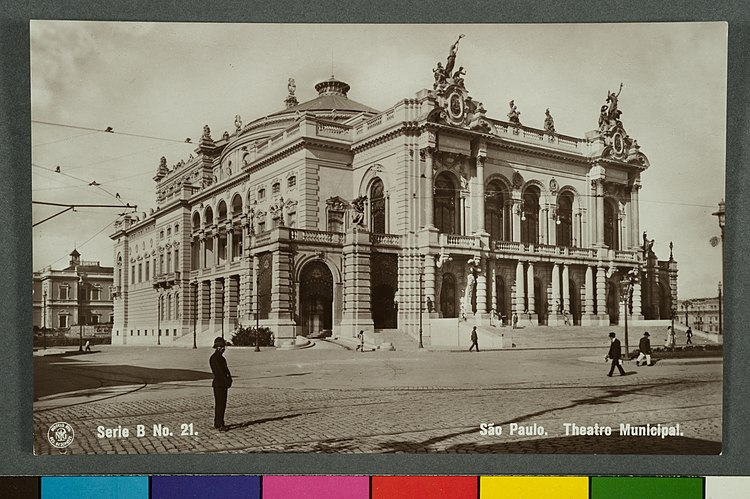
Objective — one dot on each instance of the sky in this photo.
(156, 84)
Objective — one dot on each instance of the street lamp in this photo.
(257, 302)
(686, 305)
(720, 214)
(158, 319)
(44, 320)
(194, 285)
(80, 314)
(421, 277)
(631, 278)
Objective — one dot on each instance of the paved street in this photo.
(329, 399)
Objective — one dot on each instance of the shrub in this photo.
(245, 337)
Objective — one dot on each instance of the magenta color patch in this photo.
(316, 487)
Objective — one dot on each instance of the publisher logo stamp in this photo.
(60, 435)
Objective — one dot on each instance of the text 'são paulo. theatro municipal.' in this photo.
(329, 215)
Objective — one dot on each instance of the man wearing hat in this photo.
(222, 382)
(644, 346)
(614, 354)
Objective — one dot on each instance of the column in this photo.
(543, 236)
(516, 215)
(479, 204)
(556, 299)
(358, 314)
(520, 292)
(482, 290)
(493, 285)
(635, 237)
(530, 287)
(231, 299)
(230, 244)
(589, 291)
(281, 293)
(429, 185)
(201, 255)
(552, 226)
(600, 213)
(566, 288)
(204, 303)
(601, 292)
(637, 301)
(217, 309)
(429, 281)
(463, 223)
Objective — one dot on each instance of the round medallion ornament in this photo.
(618, 144)
(456, 108)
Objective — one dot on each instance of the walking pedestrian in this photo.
(689, 336)
(615, 353)
(644, 348)
(515, 320)
(361, 336)
(222, 382)
(88, 346)
(670, 342)
(474, 339)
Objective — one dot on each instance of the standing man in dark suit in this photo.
(222, 382)
(614, 354)
(474, 339)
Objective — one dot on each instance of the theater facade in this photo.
(330, 215)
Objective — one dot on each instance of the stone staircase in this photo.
(401, 341)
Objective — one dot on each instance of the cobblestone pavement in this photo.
(394, 404)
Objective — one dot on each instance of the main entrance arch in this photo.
(316, 298)
(448, 296)
(613, 303)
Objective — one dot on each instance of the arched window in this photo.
(222, 211)
(611, 232)
(496, 212)
(530, 216)
(377, 207)
(196, 221)
(565, 219)
(209, 216)
(237, 206)
(445, 204)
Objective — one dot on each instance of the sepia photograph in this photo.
(378, 238)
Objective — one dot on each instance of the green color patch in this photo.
(646, 488)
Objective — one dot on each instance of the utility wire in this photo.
(109, 130)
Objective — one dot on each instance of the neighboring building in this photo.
(80, 294)
(701, 314)
(330, 215)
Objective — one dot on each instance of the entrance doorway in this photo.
(448, 296)
(316, 298)
(613, 303)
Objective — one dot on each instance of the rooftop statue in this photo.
(458, 76)
(549, 122)
(206, 132)
(238, 122)
(439, 73)
(291, 86)
(514, 116)
(609, 114)
(452, 56)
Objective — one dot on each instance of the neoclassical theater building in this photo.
(332, 215)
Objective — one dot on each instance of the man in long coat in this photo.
(644, 347)
(615, 353)
(222, 382)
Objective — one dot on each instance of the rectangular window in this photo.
(63, 321)
(94, 319)
(132, 274)
(169, 231)
(96, 293)
(291, 182)
(140, 272)
(176, 260)
(261, 194)
(147, 273)
(176, 228)
(169, 263)
(276, 188)
(64, 292)
(261, 226)
(161, 264)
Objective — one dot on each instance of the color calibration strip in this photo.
(377, 487)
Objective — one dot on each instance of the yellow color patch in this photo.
(533, 487)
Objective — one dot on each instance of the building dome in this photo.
(332, 96)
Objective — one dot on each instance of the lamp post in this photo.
(158, 319)
(686, 305)
(720, 329)
(80, 314)
(421, 278)
(720, 215)
(44, 320)
(632, 278)
(260, 271)
(194, 285)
